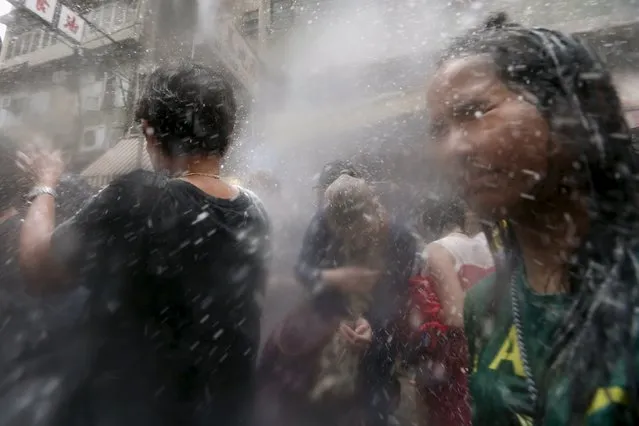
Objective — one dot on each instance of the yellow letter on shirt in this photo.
(509, 352)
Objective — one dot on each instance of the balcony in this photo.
(118, 19)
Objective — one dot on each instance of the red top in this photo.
(445, 386)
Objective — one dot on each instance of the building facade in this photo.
(78, 90)
(76, 94)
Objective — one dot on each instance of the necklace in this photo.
(514, 299)
(210, 175)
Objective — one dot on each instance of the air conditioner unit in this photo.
(5, 101)
(59, 77)
(93, 139)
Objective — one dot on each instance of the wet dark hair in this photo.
(439, 214)
(14, 182)
(573, 90)
(190, 108)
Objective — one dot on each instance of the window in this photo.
(106, 20)
(121, 92)
(59, 77)
(35, 41)
(119, 15)
(28, 42)
(92, 95)
(251, 24)
(8, 46)
(17, 46)
(46, 39)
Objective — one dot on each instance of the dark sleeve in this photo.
(79, 244)
(316, 239)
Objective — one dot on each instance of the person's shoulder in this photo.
(255, 204)
(132, 192)
(140, 178)
(479, 296)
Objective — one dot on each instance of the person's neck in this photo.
(454, 229)
(198, 165)
(548, 234)
(204, 173)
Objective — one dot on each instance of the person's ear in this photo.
(149, 133)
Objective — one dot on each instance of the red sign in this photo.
(45, 9)
(42, 6)
(71, 25)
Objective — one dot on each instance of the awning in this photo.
(126, 156)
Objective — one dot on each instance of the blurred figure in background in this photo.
(292, 366)
(452, 264)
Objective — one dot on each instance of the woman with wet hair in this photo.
(530, 127)
(175, 261)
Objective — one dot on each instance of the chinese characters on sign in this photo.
(45, 9)
(42, 6)
(71, 23)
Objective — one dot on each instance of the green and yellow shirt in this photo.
(497, 380)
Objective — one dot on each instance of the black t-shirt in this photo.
(27, 322)
(172, 323)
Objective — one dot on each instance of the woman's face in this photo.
(491, 142)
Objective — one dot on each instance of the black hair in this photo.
(190, 108)
(440, 214)
(331, 171)
(14, 182)
(573, 90)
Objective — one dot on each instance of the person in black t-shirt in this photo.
(175, 261)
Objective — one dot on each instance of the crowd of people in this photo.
(142, 306)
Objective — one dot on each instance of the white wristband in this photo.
(40, 190)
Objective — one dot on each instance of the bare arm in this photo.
(35, 254)
(36, 258)
(441, 268)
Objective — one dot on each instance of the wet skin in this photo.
(492, 142)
